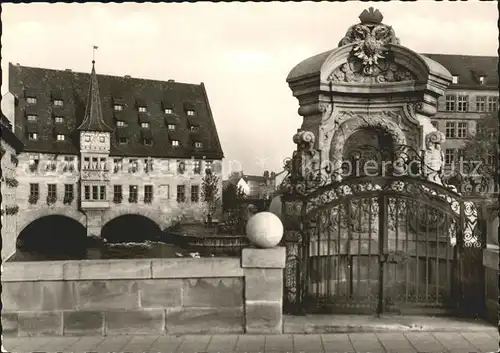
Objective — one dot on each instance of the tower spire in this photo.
(93, 119)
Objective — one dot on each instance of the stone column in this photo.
(263, 271)
(94, 222)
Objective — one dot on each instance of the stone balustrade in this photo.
(145, 296)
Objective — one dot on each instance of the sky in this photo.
(243, 52)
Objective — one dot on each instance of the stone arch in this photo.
(161, 220)
(27, 217)
(357, 122)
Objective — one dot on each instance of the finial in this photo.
(371, 16)
(95, 47)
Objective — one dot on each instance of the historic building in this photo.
(99, 147)
(472, 94)
(11, 146)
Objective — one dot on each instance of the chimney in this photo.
(171, 81)
(68, 70)
(127, 76)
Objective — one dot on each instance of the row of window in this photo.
(453, 155)
(146, 125)
(116, 107)
(98, 192)
(460, 103)
(33, 136)
(454, 129)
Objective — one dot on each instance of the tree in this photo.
(481, 150)
(232, 196)
(210, 192)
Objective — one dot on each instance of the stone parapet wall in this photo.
(153, 296)
(490, 262)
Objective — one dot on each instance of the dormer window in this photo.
(147, 142)
(175, 143)
(117, 107)
(454, 79)
(481, 79)
(142, 109)
(145, 125)
(190, 112)
(194, 128)
(102, 139)
(171, 127)
(122, 140)
(31, 100)
(58, 102)
(32, 136)
(168, 111)
(31, 117)
(60, 137)
(120, 123)
(198, 144)
(59, 120)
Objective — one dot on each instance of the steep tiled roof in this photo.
(468, 68)
(73, 88)
(8, 135)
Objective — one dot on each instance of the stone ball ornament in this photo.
(264, 230)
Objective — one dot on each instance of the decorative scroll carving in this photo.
(385, 71)
(370, 36)
(434, 156)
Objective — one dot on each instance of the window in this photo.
(145, 125)
(492, 104)
(59, 119)
(86, 163)
(196, 167)
(168, 111)
(117, 107)
(194, 128)
(142, 109)
(101, 139)
(68, 191)
(133, 165)
(87, 138)
(148, 193)
(95, 192)
(34, 159)
(122, 140)
(198, 144)
(32, 136)
(450, 130)
(181, 193)
(102, 164)
(489, 159)
(102, 192)
(132, 193)
(31, 100)
(449, 156)
(175, 143)
(462, 130)
(481, 79)
(117, 193)
(481, 103)
(120, 123)
(147, 142)
(195, 193)
(450, 103)
(95, 163)
(208, 165)
(31, 117)
(51, 191)
(61, 137)
(69, 163)
(434, 123)
(463, 102)
(190, 112)
(58, 102)
(454, 79)
(34, 191)
(171, 127)
(87, 192)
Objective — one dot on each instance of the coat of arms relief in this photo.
(369, 60)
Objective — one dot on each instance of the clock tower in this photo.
(94, 158)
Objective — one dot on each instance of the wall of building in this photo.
(176, 296)
(490, 262)
(9, 200)
(164, 177)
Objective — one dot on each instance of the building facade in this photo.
(11, 146)
(99, 147)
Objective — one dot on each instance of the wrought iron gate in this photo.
(379, 244)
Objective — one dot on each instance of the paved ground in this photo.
(396, 342)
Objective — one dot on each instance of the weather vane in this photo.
(93, 52)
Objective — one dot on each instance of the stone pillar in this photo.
(94, 222)
(263, 271)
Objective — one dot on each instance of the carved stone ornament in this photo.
(384, 71)
(370, 36)
(434, 156)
